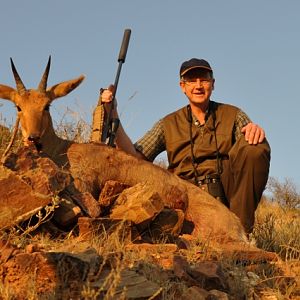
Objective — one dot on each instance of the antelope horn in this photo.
(20, 85)
(43, 84)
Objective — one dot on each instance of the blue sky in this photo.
(253, 47)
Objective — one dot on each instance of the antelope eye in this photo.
(18, 108)
(47, 107)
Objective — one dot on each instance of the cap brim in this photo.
(195, 67)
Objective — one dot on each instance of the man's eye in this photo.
(18, 108)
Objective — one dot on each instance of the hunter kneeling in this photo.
(211, 144)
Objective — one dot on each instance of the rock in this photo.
(28, 182)
(217, 295)
(248, 254)
(207, 275)
(24, 270)
(87, 203)
(131, 286)
(62, 275)
(7, 251)
(139, 204)
(194, 292)
(66, 214)
(167, 222)
(31, 248)
(18, 200)
(38, 171)
(110, 192)
(181, 269)
(50, 273)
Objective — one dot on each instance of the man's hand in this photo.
(106, 95)
(253, 133)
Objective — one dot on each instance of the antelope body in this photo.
(91, 165)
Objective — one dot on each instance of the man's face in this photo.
(198, 85)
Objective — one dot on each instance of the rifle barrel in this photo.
(110, 129)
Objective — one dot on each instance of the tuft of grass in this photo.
(277, 230)
(72, 126)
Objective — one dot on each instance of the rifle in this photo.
(111, 125)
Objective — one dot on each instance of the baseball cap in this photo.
(193, 64)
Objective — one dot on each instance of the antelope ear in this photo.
(64, 88)
(7, 92)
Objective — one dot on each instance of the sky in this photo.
(253, 47)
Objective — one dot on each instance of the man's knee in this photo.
(255, 153)
(242, 151)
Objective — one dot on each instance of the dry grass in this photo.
(5, 137)
(264, 281)
(277, 230)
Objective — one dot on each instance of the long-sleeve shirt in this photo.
(153, 142)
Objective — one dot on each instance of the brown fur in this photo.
(91, 165)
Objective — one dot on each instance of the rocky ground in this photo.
(56, 244)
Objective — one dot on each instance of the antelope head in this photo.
(33, 104)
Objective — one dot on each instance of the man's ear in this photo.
(213, 84)
(182, 85)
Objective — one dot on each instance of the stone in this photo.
(18, 200)
(110, 192)
(194, 292)
(50, 273)
(139, 204)
(248, 254)
(217, 295)
(87, 203)
(7, 251)
(67, 213)
(167, 222)
(209, 274)
(38, 171)
(206, 274)
(28, 182)
(131, 286)
(181, 269)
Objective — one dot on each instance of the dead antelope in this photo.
(91, 165)
(33, 110)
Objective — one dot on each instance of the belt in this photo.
(213, 178)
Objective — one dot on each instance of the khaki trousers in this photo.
(244, 178)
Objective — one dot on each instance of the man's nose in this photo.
(198, 82)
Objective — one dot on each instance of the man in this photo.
(214, 145)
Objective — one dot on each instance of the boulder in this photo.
(28, 182)
(18, 200)
(139, 204)
(110, 192)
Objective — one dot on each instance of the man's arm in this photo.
(123, 141)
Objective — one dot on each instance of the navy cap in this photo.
(193, 64)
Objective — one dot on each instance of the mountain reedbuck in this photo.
(91, 164)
